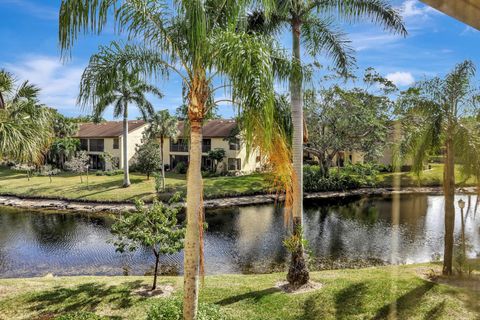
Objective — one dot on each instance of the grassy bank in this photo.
(346, 294)
(108, 188)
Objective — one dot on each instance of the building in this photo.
(104, 142)
(105, 138)
(219, 133)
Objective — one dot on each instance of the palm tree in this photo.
(433, 113)
(161, 126)
(124, 88)
(199, 41)
(25, 124)
(310, 23)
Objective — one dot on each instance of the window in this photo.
(206, 145)
(116, 142)
(234, 164)
(234, 144)
(96, 145)
(84, 144)
(180, 145)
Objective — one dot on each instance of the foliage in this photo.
(159, 185)
(49, 171)
(154, 227)
(171, 309)
(365, 172)
(181, 168)
(63, 126)
(25, 124)
(216, 155)
(62, 149)
(23, 167)
(78, 163)
(109, 173)
(315, 181)
(348, 120)
(148, 155)
(81, 315)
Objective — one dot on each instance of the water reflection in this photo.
(239, 240)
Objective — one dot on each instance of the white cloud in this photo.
(413, 8)
(59, 83)
(367, 40)
(401, 78)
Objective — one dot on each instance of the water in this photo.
(239, 240)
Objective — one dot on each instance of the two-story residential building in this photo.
(218, 133)
(103, 138)
(106, 138)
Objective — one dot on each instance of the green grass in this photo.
(109, 188)
(346, 294)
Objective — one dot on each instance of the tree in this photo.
(149, 157)
(48, 171)
(124, 88)
(432, 113)
(23, 167)
(63, 149)
(79, 163)
(25, 124)
(349, 120)
(310, 23)
(154, 227)
(162, 126)
(217, 156)
(205, 38)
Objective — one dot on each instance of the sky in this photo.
(29, 48)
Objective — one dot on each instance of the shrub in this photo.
(80, 316)
(314, 181)
(181, 168)
(109, 173)
(171, 309)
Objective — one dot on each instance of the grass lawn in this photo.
(346, 294)
(108, 188)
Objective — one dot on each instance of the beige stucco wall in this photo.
(247, 164)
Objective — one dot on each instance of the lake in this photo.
(238, 240)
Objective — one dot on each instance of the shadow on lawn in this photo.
(85, 297)
(253, 295)
(351, 302)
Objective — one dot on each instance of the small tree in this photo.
(217, 156)
(153, 227)
(78, 163)
(49, 171)
(148, 157)
(27, 168)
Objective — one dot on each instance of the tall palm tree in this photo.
(161, 126)
(25, 124)
(199, 41)
(433, 113)
(124, 88)
(310, 23)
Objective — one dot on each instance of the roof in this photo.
(467, 11)
(218, 128)
(106, 129)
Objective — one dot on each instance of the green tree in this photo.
(25, 124)
(354, 119)
(310, 23)
(154, 227)
(148, 156)
(432, 113)
(162, 126)
(79, 164)
(217, 156)
(124, 88)
(200, 41)
(63, 149)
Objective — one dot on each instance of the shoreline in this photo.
(41, 203)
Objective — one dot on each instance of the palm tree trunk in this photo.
(194, 211)
(298, 271)
(449, 191)
(163, 163)
(126, 176)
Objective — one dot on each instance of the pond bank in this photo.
(99, 206)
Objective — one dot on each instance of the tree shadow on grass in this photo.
(406, 303)
(85, 297)
(253, 295)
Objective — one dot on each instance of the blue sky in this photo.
(29, 48)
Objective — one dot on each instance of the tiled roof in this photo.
(106, 129)
(218, 128)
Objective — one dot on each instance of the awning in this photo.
(467, 11)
